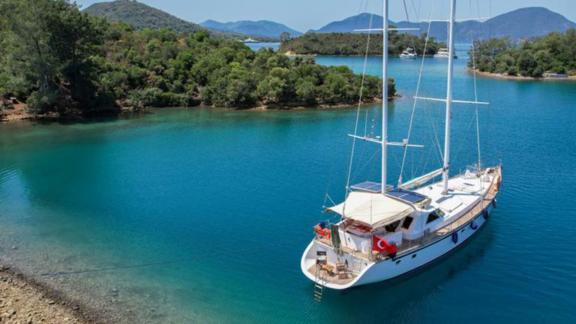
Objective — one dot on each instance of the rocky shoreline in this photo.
(21, 113)
(24, 300)
(520, 78)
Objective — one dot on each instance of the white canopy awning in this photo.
(373, 209)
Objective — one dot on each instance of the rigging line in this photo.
(369, 163)
(419, 10)
(326, 199)
(408, 20)
(362, 8)
(329, 182)
(459, 148)
(418, 84)
(360, 97)
(415, 11)
(406, 11)
(435, 134)
(366, 125)
(426, 163)
(125, 267)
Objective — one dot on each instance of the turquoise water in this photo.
(202, 215)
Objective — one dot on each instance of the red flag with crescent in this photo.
(380, 245)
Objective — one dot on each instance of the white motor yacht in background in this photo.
(444, 54)
(386, 231)
(408, 53)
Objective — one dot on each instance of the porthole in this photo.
(413, 256)
(398, 262)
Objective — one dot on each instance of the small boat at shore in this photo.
(386, 231)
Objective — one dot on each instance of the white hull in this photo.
(405, 263)
(466, 221)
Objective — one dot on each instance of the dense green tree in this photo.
(356, 44)
(553, 53)
(306, 90)
(271, 90)
(58, 59)
(48, 60)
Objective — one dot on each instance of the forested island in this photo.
(58, 60)
(355, 44)
(551, 56)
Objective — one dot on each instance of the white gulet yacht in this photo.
(387, 231)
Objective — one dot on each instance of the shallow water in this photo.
(202, 215)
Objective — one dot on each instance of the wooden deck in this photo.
(458, 223)
(331, 276)
(476, 210)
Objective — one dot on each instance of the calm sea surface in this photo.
(201, 216)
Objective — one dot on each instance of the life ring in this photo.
(322, 232)
(455, 237)
(473, 225)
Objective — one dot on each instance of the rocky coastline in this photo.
(24, 300)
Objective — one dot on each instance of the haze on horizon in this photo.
(304, 15)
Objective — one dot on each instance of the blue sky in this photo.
(312, 14)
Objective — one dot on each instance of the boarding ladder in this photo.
(319, 283)
(319, 277)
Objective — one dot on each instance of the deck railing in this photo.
(409, 245)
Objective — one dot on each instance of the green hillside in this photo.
(355, 44)
(59, 60)
(553, 53)
(140, 16)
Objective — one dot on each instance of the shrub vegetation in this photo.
(58, 59)
(553, 53)
(355, 44)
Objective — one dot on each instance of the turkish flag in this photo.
(380, 245)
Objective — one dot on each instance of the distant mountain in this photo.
(518, 24)
(140, 16)
(261, 28)
(350, 24)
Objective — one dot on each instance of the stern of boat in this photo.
(324, 266)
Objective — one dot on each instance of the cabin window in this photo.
(432, 217)
(435, 215)
(392, 227)
(407, 222)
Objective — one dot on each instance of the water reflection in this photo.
(398, 297)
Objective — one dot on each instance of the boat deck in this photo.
(475, 211)
(459, 222)
(408, 245)
(329, 274)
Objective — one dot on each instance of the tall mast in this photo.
(384, 95)
(446, 168)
